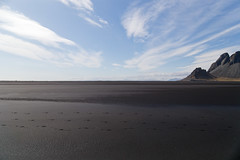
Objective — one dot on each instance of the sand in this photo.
(115, 121)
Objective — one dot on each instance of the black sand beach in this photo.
(119, 120)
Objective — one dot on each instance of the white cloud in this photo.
(196, 51)
(136, 20)
(157, 56)
(21, 25)
(98, 22)
(85, 5)
(16, 46)
(86, 11)
(116, 65)
(103, 21)
(21, 42)
(177, 29)
(23, 48)
(92, 22)
(82, 57)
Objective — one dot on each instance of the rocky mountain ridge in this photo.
(199, 74)
(225, 67)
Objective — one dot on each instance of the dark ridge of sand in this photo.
(190, 121)
(131, 93)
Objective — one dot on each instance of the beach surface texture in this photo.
(119, 120)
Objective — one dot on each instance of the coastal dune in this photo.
(101, 120)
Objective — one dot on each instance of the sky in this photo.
(114, 39)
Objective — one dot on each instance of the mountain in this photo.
(199, 74)
(227, 67)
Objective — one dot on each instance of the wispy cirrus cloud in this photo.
(137, 19)
(13, 45)
(179, 28)
(93, 22)
(23, 26)
(86, 9)
(85, 5)
(160, 55)
(22, 36)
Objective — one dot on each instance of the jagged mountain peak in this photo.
(199, 74)
(235, 58)
(226, 66)
(223, 59)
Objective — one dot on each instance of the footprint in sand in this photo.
(19, 126)
(223, 129)
(61, 129)
(108, 130)
(105, 122)
(83, 128)
(130, 128)
(167, 115)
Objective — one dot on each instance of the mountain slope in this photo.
(225, 66)
(199, 74)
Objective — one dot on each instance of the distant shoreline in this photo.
(218, 81)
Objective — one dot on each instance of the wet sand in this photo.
(113, 120)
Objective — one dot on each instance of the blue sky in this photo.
(114, 40)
